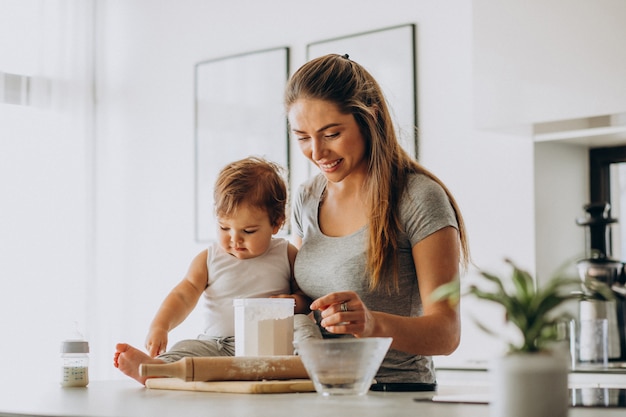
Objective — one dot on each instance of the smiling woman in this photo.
(377, 232)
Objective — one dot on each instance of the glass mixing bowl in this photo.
(345, 365)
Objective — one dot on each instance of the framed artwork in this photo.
(389, 55)
(238, 113)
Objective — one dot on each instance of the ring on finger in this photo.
(344, 306)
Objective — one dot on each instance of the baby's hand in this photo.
(156, 342)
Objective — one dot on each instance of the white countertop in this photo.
(615, 376)
(128, 398)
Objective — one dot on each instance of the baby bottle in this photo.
(75, 360)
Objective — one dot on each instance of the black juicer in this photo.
(600, 266)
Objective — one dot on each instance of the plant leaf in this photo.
(527, 306)
(523, 282)
(447, 291)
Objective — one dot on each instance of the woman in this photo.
(376, 232)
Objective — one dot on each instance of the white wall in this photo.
(540, 61)
(561, 190)
(142, 199)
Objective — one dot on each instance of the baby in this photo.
(247, 261)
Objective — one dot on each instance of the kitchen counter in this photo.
(477, 372)
(128, 398)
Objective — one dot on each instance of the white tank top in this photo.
(230, 278)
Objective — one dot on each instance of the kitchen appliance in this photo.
(599, 266)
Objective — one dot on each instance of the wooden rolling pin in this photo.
(229, 368)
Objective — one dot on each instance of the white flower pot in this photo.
(530, 385)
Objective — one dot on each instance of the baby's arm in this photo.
(177, 305)
(302, 301)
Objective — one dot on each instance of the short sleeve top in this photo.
(327, 264)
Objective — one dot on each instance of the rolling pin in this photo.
(229, 368)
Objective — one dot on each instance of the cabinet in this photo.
(537, 62)
(592, 132)
(479, 375)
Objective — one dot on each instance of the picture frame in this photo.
(238, 113)
(389, 54)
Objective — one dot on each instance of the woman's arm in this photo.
(302, 302)
(436, 332)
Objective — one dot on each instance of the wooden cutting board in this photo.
(242, 387)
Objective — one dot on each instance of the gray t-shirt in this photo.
(327, 264)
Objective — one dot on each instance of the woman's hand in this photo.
(345, 313)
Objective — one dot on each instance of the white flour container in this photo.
(263, 326)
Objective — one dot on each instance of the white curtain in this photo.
(46, 178)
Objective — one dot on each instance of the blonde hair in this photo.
(341, 81)
(254, 181)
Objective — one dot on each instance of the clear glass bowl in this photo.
(344, 366)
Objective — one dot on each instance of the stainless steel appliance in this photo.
(598, 265)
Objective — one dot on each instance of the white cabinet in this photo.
(474, 376)
(541, 61)
(592, 132)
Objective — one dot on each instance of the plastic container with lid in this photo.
(75, 359)
(263, 326)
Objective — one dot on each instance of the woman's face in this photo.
(330, 139)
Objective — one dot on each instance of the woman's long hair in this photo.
(343, 82)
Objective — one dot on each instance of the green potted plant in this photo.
(531, 379)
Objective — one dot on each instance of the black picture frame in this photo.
(239, 112)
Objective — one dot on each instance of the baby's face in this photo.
(247, 233)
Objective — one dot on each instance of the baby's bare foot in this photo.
(128, 358)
